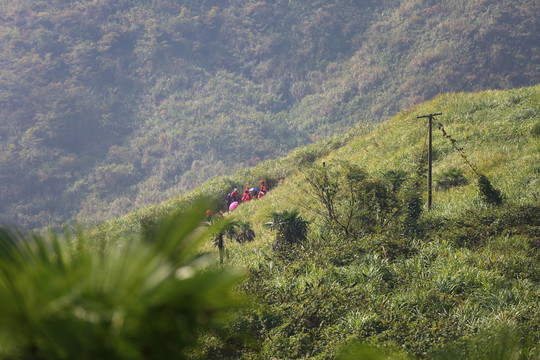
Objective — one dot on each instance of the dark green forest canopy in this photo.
(111, 105)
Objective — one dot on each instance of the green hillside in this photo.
(498, 131)
(460, 281)
(108, 106)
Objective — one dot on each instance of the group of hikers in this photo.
(233, 198)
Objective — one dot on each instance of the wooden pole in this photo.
(430, 164)
(430, 156)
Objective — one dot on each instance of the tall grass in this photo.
(449, 291)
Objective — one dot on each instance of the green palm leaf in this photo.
(146, 298)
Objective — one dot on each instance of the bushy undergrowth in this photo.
(373, 266)
(376, 268)
(451, 292)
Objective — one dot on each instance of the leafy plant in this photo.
(396, 178)
(222, 228)
(412, 200)
(450, 178)
(291, 228)
(536, 130)
(349, 201)
(488, 193)
(244, 232)
(145, 299)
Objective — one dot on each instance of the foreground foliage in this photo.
(62, 297)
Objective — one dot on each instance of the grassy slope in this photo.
(494, 128)
(444, 293)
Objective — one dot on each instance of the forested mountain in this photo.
(110, 105)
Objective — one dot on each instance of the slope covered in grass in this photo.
(471, 274)
(460, 281)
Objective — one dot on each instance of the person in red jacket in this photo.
(246, 196)
(234, 195)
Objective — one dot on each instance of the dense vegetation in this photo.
(458, 282)
(344, 253)
(107, 106)
(63, 297)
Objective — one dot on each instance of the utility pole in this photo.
(430, 155)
